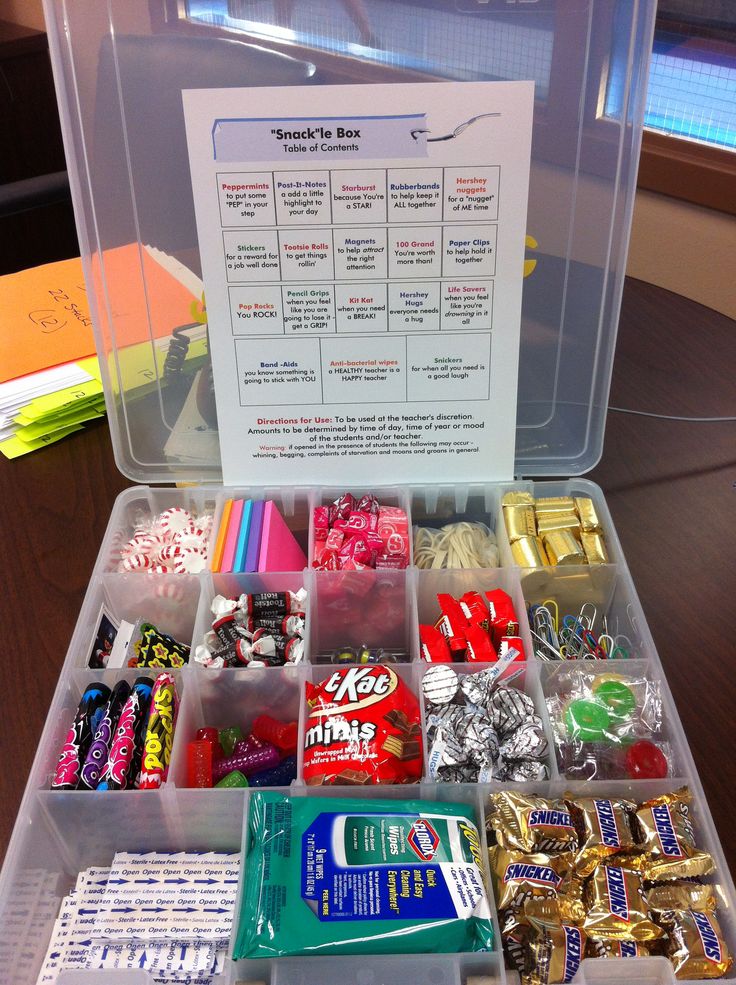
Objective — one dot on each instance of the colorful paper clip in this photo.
(573, 638)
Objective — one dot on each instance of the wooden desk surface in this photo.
(670, 487)
(17, 39)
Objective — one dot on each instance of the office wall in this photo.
(681, 247)
(685, 249)
(28, 12)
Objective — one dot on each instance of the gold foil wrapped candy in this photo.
(605, 829)
(585, 509)
(528, 552)
(555, 946)
(553, 530)
(666, 836)
(616, 907)
(519, 876)
(563, 548)
(696, 946)
(547, 522)
(531, 824)
(595, 548)
(520, 522)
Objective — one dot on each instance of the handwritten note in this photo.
(46, 316)
(46, 319)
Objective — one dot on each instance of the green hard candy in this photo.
(234, 779)
(587, 721)
(618, 698)
(229, 737)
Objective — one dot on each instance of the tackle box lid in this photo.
(120, 68)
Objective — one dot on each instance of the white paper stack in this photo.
(168, 914)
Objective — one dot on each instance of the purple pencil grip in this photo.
(250, 761)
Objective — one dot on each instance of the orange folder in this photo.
(46, 317)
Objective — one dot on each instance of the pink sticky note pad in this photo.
(279, 549)
(231, 540)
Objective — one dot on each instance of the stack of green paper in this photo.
(50, 381)
(53, 416)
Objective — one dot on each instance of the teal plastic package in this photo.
(328, 875)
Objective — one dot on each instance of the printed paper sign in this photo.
(362, 252)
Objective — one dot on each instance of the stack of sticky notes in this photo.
(253, 536)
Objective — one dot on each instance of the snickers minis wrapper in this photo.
(519, 878)
(616, 906)
(665, 833)
(555, 947)
(695, 943)
(696, 946)
(531, 824)
(604, 826)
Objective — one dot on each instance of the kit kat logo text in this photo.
(357, 688)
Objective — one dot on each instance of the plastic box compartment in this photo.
(119, 68)
(60, 831)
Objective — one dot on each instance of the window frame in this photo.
(688, 170)
(685, 169)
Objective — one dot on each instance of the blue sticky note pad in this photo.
(254, 537)
(242, 546)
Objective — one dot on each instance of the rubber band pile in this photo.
(456, 545)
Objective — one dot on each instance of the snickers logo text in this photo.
(708, 936)
(553, 819)
(607, 823)
(573, 951)
(542, 875)
(666, 831)
(617, 899)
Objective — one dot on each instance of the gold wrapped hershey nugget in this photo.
(604, 828)
(616, 949)
(517, 498)
(666, 836)
(520, 522)
(554, 504)
(563, 548)
(555, 948)
(531, 824)
(616, 907)
(547, 522)
(518, 876)
(529, 553)
(588, 517)
(696, 946)
(595, 548)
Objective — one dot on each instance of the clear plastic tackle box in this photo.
(120, 66)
